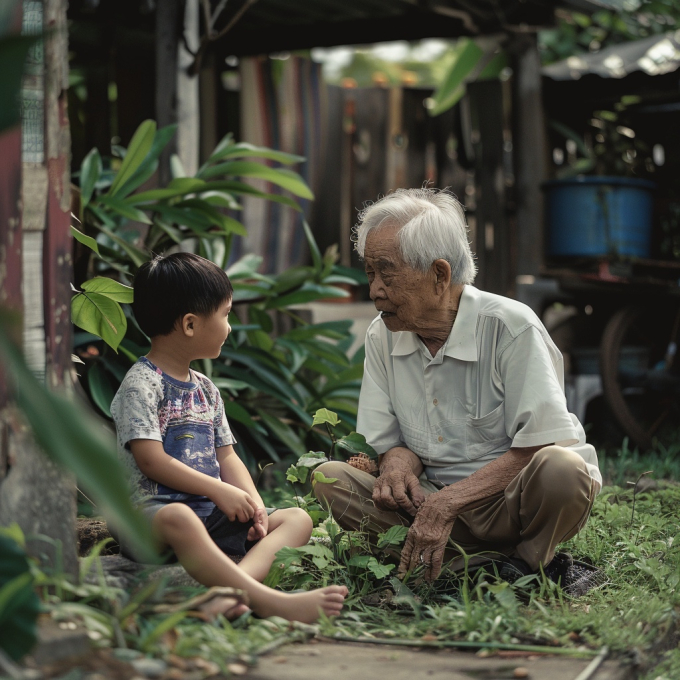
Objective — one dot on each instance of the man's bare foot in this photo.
(304, 607)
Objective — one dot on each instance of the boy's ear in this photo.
(188, 322)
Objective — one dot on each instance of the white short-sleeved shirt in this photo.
(497, 383)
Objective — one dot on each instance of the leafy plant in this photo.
(19, 605)
(275, 369)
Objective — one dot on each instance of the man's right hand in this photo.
(398, 486)
(235, 503)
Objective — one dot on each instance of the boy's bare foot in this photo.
(230, 602)
(230, 607)
(304, 607)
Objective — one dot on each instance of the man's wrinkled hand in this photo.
(427, 539)
(397, 487)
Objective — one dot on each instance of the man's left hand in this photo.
(427, 538)
(260, 525)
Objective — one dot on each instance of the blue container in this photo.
(595, 216)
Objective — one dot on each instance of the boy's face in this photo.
(211, 331)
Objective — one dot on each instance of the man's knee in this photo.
(336, 470)
(562, 472)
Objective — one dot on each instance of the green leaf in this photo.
(235, 411)
(245, 150)
(320, 478)
(90, 170)
(100, 315)
(468, 54)
(68, 436)
(147, 641)
(494, 66)
(282, 177)
(138, 257)
(84, 239)
(19, 605)
(177, 187)
(139, 147)
(243, 188)
(124, 209)
(317, 260)
(323, 415)
(311, 459)
(308, 292)
(395, 535)
(356, 443)
(109, 288)
(100, 388)
(246, 267)
(283, 432)
(150, 164)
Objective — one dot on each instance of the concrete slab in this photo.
(334, 660)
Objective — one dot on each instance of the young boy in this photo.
(174, 438)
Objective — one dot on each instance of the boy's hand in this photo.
(235, 503)
(260, 525)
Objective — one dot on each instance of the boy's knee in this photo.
(299, 518)
(176, 517)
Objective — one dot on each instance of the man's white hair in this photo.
(431, 227)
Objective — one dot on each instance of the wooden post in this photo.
(37, 494)
(529, 147)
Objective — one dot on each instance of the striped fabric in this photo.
(283, 106)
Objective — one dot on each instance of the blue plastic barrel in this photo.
(595, 216)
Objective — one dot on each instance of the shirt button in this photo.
(435, 402)
(441, 439)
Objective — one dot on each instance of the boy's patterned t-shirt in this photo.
(187, 417)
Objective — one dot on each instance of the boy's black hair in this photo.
(168, 287)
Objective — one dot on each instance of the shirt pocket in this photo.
(193, 444)
(487, 434)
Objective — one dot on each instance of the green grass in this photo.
(635, 614)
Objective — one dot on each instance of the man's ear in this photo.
(442, 275)
(188, 323)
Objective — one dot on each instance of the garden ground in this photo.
(633, 534)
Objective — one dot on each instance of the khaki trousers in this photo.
(546, 504)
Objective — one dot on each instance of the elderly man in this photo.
(463, 399)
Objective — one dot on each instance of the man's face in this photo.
(401, 293)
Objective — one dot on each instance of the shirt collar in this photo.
(462, 342)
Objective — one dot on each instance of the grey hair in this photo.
(432, 226)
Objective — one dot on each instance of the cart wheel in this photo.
(640, 377)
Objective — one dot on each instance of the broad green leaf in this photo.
(311, 459)
(309, 292)
(245, 267)
(229, 384)
(150, 164)
(317, 260)
(320, 478)
(328, 351)
(328, 329)
(468, 54)
(245, 150)
(84, 239)
(356, 443)
(124, 209)
(90, 170)
(148, 639)
(236, 187)
(282, 177)
(100, 388)
(100, 315)
(283, 432)
(494, 67)
(221, 199)
(293, 277)
(323, 415)
(68, 436)
(235, 411)
(177, 187)
(177, 167)
(140, 145)
(395, 535)
(138, 257)
(109, 288)
(19, 604)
